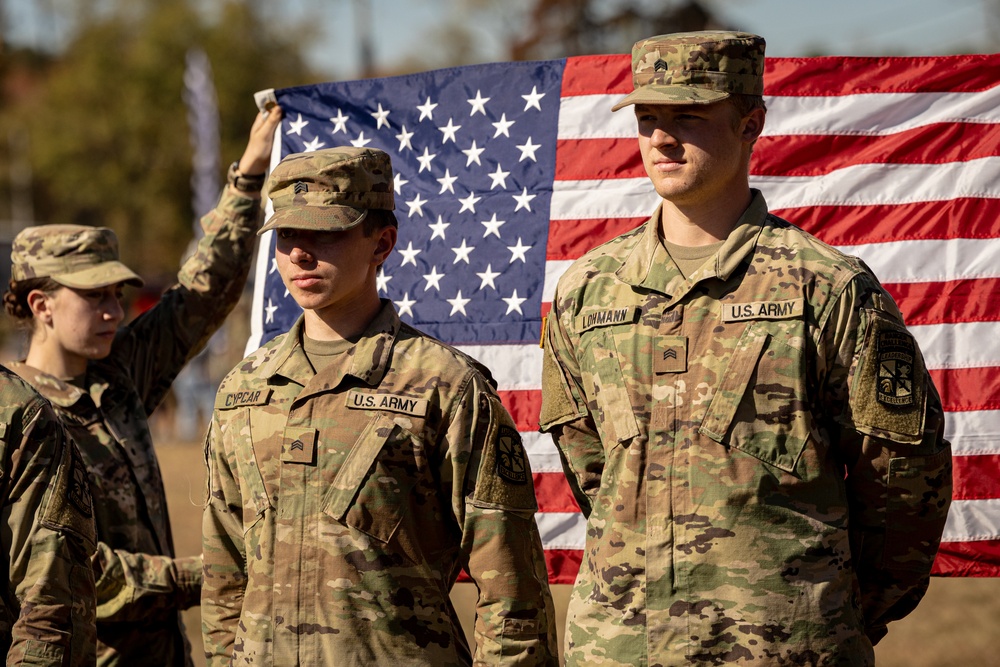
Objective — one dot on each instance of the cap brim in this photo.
(318, 218)
(671, 95)
(100, 275)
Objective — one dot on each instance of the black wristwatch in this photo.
(245, 182)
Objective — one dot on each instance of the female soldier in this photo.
(104, 382)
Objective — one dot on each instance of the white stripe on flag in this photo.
(883, 184)
(973, 432)
(514, 366)
(590, 116)
(856, 185)
(562, 530)
(928, 261)
(970, 520)
(959, 345)
(603, 199)
(892, 262)
(877, 113)
(542, 452)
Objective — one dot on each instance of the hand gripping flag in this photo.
(507, 172)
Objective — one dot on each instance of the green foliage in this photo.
(108, 126)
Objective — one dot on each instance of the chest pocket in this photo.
(760, 407)
(608, 387)
(371, 492)
(256, 500)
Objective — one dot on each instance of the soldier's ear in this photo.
(752, 125)
(40, 304)
(385, 242)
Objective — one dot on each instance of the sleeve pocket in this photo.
(370, 492)
(915, 495)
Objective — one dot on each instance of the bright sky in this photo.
(791, 27)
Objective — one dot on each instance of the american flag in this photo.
(507, 172)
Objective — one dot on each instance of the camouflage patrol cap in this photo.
(76, 256)
(330, 189)
(695, 68)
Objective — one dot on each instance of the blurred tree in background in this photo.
(104, 127)
(98, 133)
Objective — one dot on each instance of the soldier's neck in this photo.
(704, 223)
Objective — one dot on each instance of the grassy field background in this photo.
(956, 624)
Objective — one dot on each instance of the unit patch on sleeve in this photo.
(512, 461)
(888, 388)
(896, 353)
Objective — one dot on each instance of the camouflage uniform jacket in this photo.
(758, 449)
(47, 613)
(344, 504)
(141, 587)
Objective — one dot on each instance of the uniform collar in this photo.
(56, 391)
(369, 358)
(648, 265)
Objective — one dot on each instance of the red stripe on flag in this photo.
(590, 159)
(553, 493)
(968, 388)
(968, 559)
(932, 220)
(597, 75)
(570, 239)
(815, 155)
(948, 301)
(797, 155)
(524, 405)
(563, 564)
(836, 75)
(975, 477)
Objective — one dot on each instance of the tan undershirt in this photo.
(321, 353)
(690, 258)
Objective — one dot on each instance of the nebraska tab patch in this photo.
(895, 353)
(512, 461)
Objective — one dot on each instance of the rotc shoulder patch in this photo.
(503, 480)
(896, 352)
(512, 462)
(70, 506)
(888, 388)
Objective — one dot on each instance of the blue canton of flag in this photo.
(473, 154)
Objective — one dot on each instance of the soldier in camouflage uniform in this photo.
(744, 418)
(356, 465)
(47, 611)
(104, 382)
